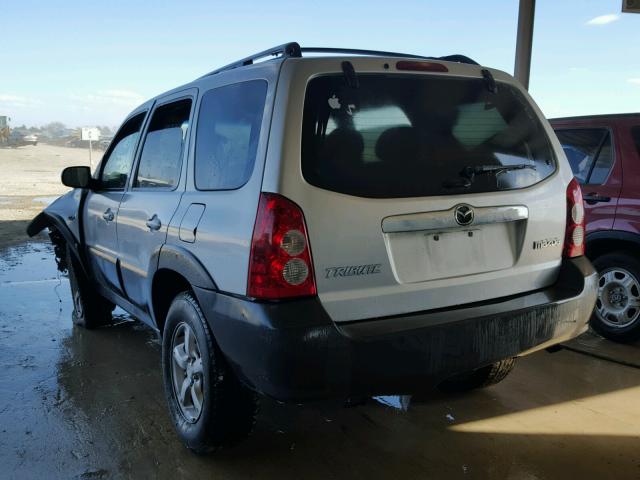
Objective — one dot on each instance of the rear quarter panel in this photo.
(223, 235)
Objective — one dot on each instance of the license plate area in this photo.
(433, 255)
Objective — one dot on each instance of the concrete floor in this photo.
(89, 404)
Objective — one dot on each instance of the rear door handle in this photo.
(108, 215)
(593, 198)
(154, 223)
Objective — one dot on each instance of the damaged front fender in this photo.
(63, 219)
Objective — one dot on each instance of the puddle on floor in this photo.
(33, 264)
(33, 261)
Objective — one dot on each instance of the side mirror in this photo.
(76, 177)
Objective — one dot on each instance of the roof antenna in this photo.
(350, 74)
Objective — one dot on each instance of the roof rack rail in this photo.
(448, 58)
(356, 51)
(293, 49)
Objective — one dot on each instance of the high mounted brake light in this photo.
(280, 265)
(421, 66)
(574, 236)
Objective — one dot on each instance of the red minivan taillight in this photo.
(574, 237)
(280, 265)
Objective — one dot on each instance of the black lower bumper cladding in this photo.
(293, 351)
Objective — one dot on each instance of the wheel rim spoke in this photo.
(187, 340)
(180, 356)
(186, 383)
(197, 367)
(634, 302)
(196, 396)
(609, 277)
(602, 310)
(187, 372)
(628, 282)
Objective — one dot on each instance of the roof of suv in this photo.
(294, 50)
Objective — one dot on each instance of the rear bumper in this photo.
(292, 350)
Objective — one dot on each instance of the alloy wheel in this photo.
(618, 303)
(187, 373)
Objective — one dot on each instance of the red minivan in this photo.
(604, 153)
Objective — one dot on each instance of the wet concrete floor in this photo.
(89, 404)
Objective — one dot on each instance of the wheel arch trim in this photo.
(601, 236)
(47, 220)
(182, 261)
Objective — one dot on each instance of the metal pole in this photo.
(525, 41)
(90, 159)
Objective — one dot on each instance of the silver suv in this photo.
(329, 223)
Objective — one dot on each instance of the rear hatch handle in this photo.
(446, 219)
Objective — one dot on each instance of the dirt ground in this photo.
(31, 179)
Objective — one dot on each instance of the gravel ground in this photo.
(31, 179)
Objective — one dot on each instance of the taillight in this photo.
(574, 237)
(280, 265)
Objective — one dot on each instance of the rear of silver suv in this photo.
(443, 232)
(340, 226)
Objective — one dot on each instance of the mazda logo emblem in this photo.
(463, 214)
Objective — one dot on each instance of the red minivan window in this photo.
(635, 134)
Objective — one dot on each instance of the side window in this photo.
(161, 157)
(603, 163)
(117, 164)
(589, 152)
(227, 135)
(635, 134)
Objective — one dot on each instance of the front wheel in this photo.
(209, 407)
(480, 378)
(617, 312)
(90, 309)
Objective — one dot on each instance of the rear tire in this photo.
(617, 312)
(209, 407)
(90, 309)
(480, 378)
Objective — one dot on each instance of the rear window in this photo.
(408, 136)
(227, 135)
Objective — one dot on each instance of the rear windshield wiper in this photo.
(472, 171)
(468, 174)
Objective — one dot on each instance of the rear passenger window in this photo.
(589, 152)
(161, 158)
(227, 135)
